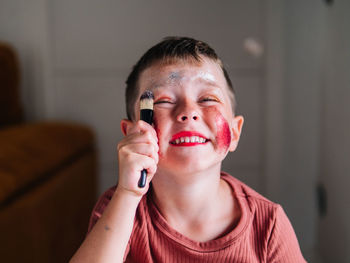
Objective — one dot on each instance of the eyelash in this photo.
(163, 101)
(209, 99)
(201, 100)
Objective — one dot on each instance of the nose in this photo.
(187, 113)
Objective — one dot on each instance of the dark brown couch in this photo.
(47, 179)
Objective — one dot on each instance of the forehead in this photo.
(161, 75)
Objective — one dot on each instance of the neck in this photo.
(190, 197)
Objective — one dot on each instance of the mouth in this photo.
(188, 138)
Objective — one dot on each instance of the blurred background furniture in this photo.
(47, 178)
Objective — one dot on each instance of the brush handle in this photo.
(147, 116)
(142, 181)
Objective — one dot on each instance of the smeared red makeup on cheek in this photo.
(157, 131)
(223, 136)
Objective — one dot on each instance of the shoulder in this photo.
(268, 222)
(248, 197)
(103, 202)
(257, 212)
(100, 206)
(104, 199)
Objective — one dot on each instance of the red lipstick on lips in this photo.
(188, 134)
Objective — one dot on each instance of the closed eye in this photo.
(163, 101)
(209, 99)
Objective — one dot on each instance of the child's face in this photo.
(193, 115)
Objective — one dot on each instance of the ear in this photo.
(125, 125)
(236, 128)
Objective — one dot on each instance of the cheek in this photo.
(223, 136)
(158, 131)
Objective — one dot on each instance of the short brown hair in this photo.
(169, 50)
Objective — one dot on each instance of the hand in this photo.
(137, 151)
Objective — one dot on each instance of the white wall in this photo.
(304, 46)
(334, 228)
(25, 25)
(76, 56)
(313, 69)
(296, 43)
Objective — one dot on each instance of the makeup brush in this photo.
(146, 114)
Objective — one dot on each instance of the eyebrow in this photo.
(163, 83)
(154, 87)
(212, 87)
(209, 82)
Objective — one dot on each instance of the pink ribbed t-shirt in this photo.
(263, 233)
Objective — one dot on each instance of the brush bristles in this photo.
(146, 104)
(147, 95)
(146, 100)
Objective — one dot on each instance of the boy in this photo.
(192, 212)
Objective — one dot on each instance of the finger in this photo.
(147, 163)
(151, 170)
(137, 141)
(130, 167)
(142, 127)
(146, 137)
(131, 157)
(143, 149)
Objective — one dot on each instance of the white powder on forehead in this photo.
(177, 76)
(206, 76)
(174, 75)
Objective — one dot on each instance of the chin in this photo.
(188, 165)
